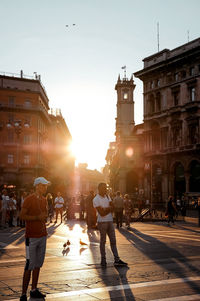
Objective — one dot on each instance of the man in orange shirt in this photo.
(34, 212)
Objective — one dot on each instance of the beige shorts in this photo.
(35, 252)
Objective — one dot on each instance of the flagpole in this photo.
(124, 68)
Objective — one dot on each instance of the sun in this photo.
(79, 151)
(85, 152)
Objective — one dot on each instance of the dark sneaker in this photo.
(37, 294)
(103, 264)
(120, 263)
(23, 298)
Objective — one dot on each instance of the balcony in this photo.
(21, 107)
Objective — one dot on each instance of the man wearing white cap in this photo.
(34, 212)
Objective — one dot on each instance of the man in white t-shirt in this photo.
(103, 204)
(59, 203)
(4, 207)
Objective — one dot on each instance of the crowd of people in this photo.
(67, 208)
(33, 209)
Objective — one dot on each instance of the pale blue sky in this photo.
(79, 65)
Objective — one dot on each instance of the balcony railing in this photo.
(24, 107)
(24, 76)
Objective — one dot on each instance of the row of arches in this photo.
(177, 175)
(172, 135)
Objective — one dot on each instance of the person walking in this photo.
(82, 207)
(4, 207)
(12, 208)
(104, 206)
(59, 203)
(171, 210)
(50, 206)
(34, 212)
(128, 206)
(91, 217)
(118, 209)
(23, 196)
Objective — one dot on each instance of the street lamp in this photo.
(18, 127)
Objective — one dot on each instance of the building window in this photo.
(11, 101)
(10, 136)
(10, 159)
(183, 74)
(152, 85)
(193, 135)
(192, 71)
(26, 159)
(192, 93)
(176, 98)
(27, 103)
(158, 102)
(164, 135)
(151, 105)
(176, 136)
(176, 76)
(27, 139)
(125, 96)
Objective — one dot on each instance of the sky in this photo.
(79, 64)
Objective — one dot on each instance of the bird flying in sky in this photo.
(67, 25)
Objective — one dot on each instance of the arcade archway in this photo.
(194, 183)
(131, 182)
(179, 179)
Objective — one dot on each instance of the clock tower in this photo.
(125, 107)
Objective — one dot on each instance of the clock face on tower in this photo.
(125, 95)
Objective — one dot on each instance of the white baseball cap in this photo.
(41, 180)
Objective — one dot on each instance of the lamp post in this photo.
(18, 127)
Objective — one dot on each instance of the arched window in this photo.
(194, 183)
(179, 179)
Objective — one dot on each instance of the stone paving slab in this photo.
(150, 258)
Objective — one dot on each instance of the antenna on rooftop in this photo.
(158, 37)
(188, 35)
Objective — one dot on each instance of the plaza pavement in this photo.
(163, 263)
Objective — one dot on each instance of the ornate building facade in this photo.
(171, 85)
(166, 147)
(29, 135)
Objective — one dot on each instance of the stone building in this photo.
(86, 179)
(166, 147)
(171, 86)
(28, 133)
